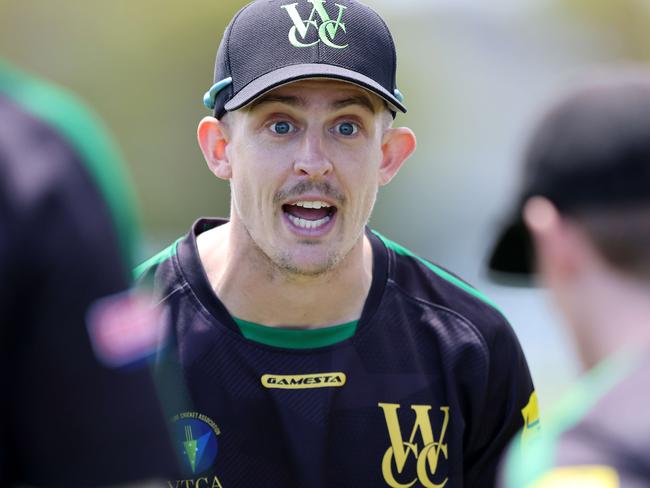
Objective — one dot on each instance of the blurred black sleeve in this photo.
(67, 420)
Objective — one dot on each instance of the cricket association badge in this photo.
(196, 438)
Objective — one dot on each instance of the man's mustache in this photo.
(322, 188)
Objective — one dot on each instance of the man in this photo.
(586, 209)
(316, 352)
(66, 235)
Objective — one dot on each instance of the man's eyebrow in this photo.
(356, 100)
(287, 100)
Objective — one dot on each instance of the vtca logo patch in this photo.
(327, 29)
(196, 439)
(425, 457)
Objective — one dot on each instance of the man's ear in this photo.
(558, 244)
(397, 145)
(213, 140)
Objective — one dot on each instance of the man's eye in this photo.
(282, 128)
(346, 128)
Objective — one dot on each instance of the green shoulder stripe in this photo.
(439, 271)
(154, 261)
(74, 121)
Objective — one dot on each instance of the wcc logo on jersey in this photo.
(318, 27)
(421, 451)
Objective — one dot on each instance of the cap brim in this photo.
(512, 260)
(289, 74)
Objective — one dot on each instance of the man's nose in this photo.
(312, 159)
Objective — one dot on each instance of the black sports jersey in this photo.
(427, 392)
(599, 435)
(65, 420)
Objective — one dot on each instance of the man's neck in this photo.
(616, 317)
(253, 289)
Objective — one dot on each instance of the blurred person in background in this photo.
(66, 237)
(319, 353)
(584, 225)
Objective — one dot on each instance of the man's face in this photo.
(305, 162)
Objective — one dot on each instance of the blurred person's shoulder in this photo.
(598, 433)
(70, 228)
(57, 156)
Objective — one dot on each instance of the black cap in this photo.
(590, 152)
(270, 43)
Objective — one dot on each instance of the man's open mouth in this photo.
(309, 214)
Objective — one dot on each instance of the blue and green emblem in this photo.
(196, 438)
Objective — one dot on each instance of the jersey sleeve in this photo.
(507, 408)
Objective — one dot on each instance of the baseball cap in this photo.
(270, 43)
(591, 152)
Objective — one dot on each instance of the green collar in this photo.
(296, 338)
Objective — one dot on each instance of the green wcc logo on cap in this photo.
(327, 29)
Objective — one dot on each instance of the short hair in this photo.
(621, 236)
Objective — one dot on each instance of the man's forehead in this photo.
(336, 93)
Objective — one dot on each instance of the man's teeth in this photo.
(315, 205)
(309, 224)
